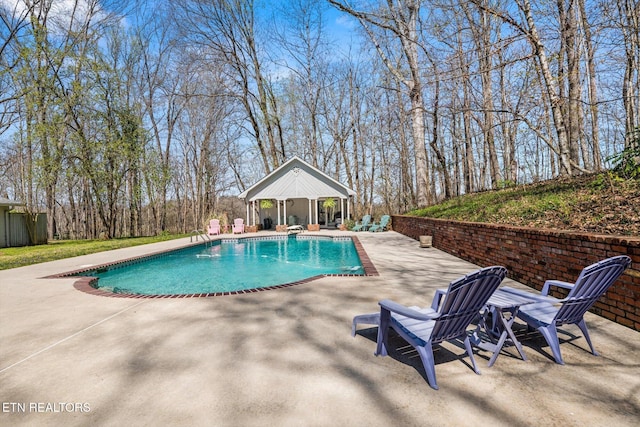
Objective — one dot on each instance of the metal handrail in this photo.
(199, 233)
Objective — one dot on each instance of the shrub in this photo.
(627, 163)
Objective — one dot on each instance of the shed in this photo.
(297, 192)
(6, 228)
(18, 229)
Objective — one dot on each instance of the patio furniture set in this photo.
(366, 224)
(214, 227)
(477, 299)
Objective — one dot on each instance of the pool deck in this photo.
(286, 357)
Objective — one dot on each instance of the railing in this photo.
(199, 234)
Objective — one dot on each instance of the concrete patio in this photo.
(285, 357)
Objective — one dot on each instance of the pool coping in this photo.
(86, 283)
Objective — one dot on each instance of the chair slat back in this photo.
(592, 283)
(464, 300)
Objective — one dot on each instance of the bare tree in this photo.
(529, 29)
(626, 17)
(481, 27)
(592, 86)
(227, 29)
(12, 24)
(400, 18)
(301, 36)
(200, 136)
(158, 79)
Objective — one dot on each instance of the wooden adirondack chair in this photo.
(549, 313)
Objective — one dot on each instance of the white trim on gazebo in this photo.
(293, 181)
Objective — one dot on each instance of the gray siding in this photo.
(14, 231)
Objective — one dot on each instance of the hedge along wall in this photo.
(533, 256)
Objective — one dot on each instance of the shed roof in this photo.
(9, 202)
(296, 179)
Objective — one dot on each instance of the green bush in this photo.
(349, 224)
(627, 163)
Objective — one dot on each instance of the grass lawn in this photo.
(59, 249)
(602, 203)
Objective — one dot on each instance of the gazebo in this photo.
(297, 193)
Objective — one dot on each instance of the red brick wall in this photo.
(533, 256)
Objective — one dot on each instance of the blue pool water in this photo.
(232, 266)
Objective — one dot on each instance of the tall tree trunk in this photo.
(440, 157)
(402, 21)
(508, 130)
(482, 39)
(409, 43)
(630, 17)
(408, 187)
(568, 27)
(487, 100)
(556, 102)
(469, 162)
(592, 87)
(559, 119)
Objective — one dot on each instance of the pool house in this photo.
(297, 193)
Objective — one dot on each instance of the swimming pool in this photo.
(230, 266)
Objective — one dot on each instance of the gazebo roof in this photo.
(296, 179)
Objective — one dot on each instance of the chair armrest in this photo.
(406, 311)
(437, 298)
(557, 283)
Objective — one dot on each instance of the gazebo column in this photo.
(247, 205)
(278, 202)
(342, 210)
(348, 208)
(285, 212)
(253, 209)
(313, 220)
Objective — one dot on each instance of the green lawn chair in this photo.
(362, 225)
(384, 221)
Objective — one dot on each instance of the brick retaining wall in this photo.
(533, 256)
